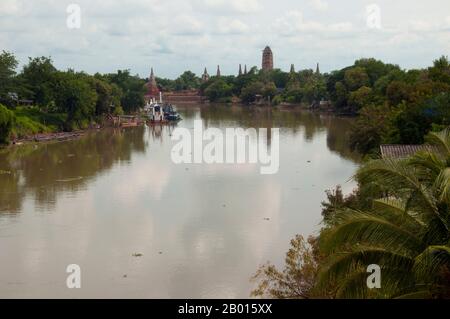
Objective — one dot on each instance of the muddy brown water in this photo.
(140, 226)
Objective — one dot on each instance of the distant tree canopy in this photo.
(81, 97)
(186, 81)
(275, 85)
(393, 105)
(8, 65)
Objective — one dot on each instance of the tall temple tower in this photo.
(152, 87)
(240, 69)
(245, 69)
(205, 76)
(292, 69)
(267, 59)
(218, 71)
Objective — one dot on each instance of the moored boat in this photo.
(159, 113)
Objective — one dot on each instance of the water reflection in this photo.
(202, 229)
(291, 122)
(46, 170)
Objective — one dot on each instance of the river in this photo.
(140, 226)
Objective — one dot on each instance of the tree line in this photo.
(394, 106)
(61, 100)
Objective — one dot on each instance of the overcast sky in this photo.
(177, 35)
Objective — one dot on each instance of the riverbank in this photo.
(48, 137)
(32, 125)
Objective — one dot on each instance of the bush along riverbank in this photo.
(32, 125)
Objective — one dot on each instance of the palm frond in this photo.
(441, 140)
(393, 280)
(427, 165)
(429, 263)
(396, 176)
(355, 227)
(442, 185)
(420, 294)
(396, 212)
(343, 264)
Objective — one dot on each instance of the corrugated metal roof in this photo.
(403, 151)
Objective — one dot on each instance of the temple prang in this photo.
(267, 59)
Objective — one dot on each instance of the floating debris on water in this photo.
(137, 255)
(69, 179)
(5, 172)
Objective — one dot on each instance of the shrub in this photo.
(6, 124)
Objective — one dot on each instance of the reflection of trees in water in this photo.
(47, 170)
(159, 132)
(291, 121)
(338, 139)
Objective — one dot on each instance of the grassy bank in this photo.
(23, 122)
(29, 121)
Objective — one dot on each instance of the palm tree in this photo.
(406, 232)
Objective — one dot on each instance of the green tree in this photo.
(370, 129)
(411, 122)
(217, 90)
(187, 81)
(355, 78)
(298, 279)
(132, 87)
(39, 77)
(76, 97)
(440, 71)
(341, 95)
(375, 69)
(397, 92)
(360, 98)
(8, 65)
(406, 232)
(269, 90)
(314, 90)
(249, 92)
(6, 124)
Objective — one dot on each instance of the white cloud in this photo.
(405, 38)
(341, 27)
(9, 7)
(320, 5)
(175, 35)
(186, 25)
(232, 26)
(228, 6)
(292, 23)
